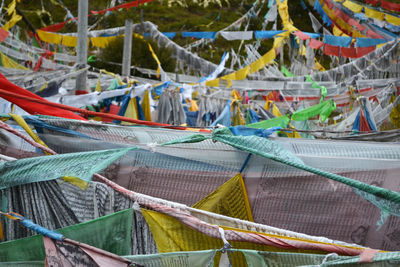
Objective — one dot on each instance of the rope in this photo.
(245, 163)
(8, 128)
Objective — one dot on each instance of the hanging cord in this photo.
(226, 248)
(245, 163)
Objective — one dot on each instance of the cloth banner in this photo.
(266, 34)
(82, 165)
(230, 199)
(65, 253)
(111, 233)
(33, 108)
(206, 35)
(237, 35)
(368, 42)
(337, 40)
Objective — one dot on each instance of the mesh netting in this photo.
(279, 195)
(111, 233)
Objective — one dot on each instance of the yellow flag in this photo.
(242, 73)
(102, 42)
(392, 19)
(213, 83)
(256, 65)
(21, 122)
(11, 64)
(49, 37)
(230, 76)
(98, 84)
(371, 13)
(11, 7)
(170, 235)
(193, 105)
(14, 19)
(230, 199)
(71, 41)
(146, 106)
(270, 106)
(131, 111)
(76, 181)
(356, 8)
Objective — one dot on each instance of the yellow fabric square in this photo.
(353, 6)
(242, 73)
(11, 64)
(49, 37)
(371, 13)
(213, 83)
(392, 19)
(146, 106)
(131, 111)
(230, 199)
(69, 40)
(102, 42)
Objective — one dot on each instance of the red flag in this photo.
(364, 126)
(328, 3)
(372, 34)
(33, 108)
(3, 34)
(301, 35)
(390, 6)
(372, 2)
(331, 50)
(316, 44)
(348, 52)
(362, 51)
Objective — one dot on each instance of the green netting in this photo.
(82, 165)
(23, 264)
(111, 233)
(262, 259)
(181, 259)
(387, 200)
(283, 259)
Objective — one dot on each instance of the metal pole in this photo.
(126, 57)
(81, 50)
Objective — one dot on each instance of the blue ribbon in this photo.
(39, 125)
(365, 42)
(266, 34)
(341, 41)
(200, 35)
(225, 116)
(325, 18)
(41, 230)
(247, 131)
